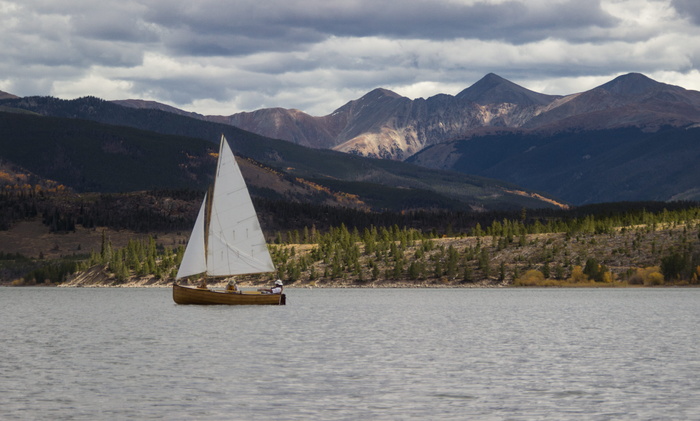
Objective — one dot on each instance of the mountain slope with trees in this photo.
(628, 139)
(611, 246)
(313, 169)
(627, 164)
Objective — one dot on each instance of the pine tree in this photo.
(452, 259)
(467, 274)
(545, 270)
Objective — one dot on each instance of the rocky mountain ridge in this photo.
(632, 138)
(384, 124)
(92, 145)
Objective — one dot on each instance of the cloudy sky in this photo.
(222, 57)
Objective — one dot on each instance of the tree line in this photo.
(176, 209)
(154, 211)
(412, 254)
(500, 251)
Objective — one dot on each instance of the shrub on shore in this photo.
(648, 276)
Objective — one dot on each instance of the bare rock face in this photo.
(383, 124)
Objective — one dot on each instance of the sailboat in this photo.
(226, 241)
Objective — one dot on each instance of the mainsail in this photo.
(234, 243)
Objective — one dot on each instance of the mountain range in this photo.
(89, 144)
(629, 139)
(384, 124)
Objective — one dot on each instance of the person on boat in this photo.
(232, 286)
(202, 285)
(277, 289)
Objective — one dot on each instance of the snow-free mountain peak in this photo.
(379, 93)
(493, 89)
(372, 100)
(632, 84)
(385, 124)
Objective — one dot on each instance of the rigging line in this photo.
(248, 218)
(236, 191)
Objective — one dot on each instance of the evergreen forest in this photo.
(620, 244)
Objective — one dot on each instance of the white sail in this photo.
(236, 244)
(194, 260)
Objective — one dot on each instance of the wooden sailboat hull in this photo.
(187, 295)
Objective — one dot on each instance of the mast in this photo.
(236, 244)
(207, 215)
(194, 261)
(227, 239)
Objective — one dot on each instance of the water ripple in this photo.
(84, 354)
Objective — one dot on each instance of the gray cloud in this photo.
(513, 21)
(221, 57)
(244, 26)
(689, 8)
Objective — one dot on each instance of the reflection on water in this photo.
(517, 354)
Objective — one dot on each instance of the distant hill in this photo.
(628, 139)
(632, 100)
(153, 105)
(5, 95)
(90, 156)
(635, 114)
(607, 165)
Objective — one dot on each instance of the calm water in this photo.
(515, 354)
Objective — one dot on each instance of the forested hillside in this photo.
(601, 246)
(92, 157)
(582, 167)
(118, 141)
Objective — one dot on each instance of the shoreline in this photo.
(392, 285)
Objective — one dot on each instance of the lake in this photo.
(346, 354)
